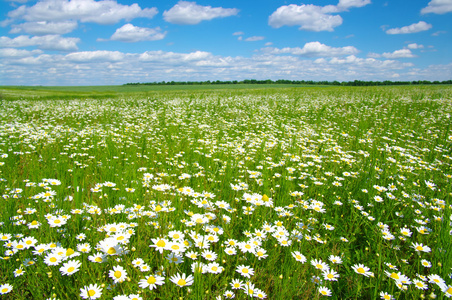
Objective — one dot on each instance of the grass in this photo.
(353, 180)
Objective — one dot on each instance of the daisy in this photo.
(448, 291)
(330, 275)
(174, 258)
(361, 269)
(420, 247)
(98, 258)
(319, 264)
(93, 291)
(386, 296)
(145, 268)
(236, 284)
(137, 262)
(230, 251)
(118, 274)
(182, 280)
(19, 272)
(209, 255)
(259, 294)
(419, 284)
(159, 244)
(134, 297)
(214, 268)
(70, 267)
(245, 271)
(191, 254)
(5, 288)
(151, 282)
(53, 259)
(335, 259)
(299, 257)
(324, 291)
(229, 295)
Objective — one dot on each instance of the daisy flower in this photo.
(5, 288)
(245, 271)
(229, 294)
(97, 258)
(386, 296)
(319, 264)
(335, 259)
(259, 294)
(159, 244)
(324, 291)
(70, 267)
(19, 272)
(362, 269)
(118, 274)
(209, 255)
(151, 282)
(214, 268)
(93, 291)
(182, 280)
(236, 284)
(299, 257)
(420, 247)
(419, 284)
(330, 275)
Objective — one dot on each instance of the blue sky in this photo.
(105, 42)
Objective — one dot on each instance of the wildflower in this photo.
(335, 259)
(324, 291)
(361, 269)
(319, 264)
(19, 272)
(259, 294)
(97, 258)
(236, 284)
(299, 257)
(229, 294)
(426, 263)
(209, 255)
(386, 296)
(93, 291)
(419, 284)
(420, 247)
(5, 288)
(214, 268)
(159, 244)
(330, 275)
(70, 267)
(174, 258)
(118, 274)
(182, 280)
(245, 271)
(151, 282)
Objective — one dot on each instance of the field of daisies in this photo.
(309, 193)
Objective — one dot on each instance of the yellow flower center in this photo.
(71, 269)
(91, 293)
(181, 282)
(151, 280)
(394, 276)
(361, 270)
(111, 251)
(53, 259)
(161, 243)
(98, 259)
(4, 290)
(245, 270)
(118, 274)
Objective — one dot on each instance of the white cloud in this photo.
(95, 56)
(16, 53)
(415, 46)
(314, 49)
(190, 13)
(438, 7)
(413, 28)
(130, 33)
(254, 38)
(114, 67)
(308, 17)
(345, 4)
(101, 12)
(238, 33)
(46, 42)
(402, 53)
(439, 33)
(44, 27)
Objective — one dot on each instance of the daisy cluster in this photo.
(225, 196)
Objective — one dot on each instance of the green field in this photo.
(218, 192)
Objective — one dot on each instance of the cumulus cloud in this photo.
(130, 33)
(314, 49)
(113, 67)
(44, 27)
(308, 17)
(190, 13)
(101, 12)
(438, 7)
(402, 53)
(16, 53)
(415, 46)
(413, 28)
(95, 56)
(345, 4)
(254, 38)
(46, 42)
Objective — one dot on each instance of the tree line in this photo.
(299, 82)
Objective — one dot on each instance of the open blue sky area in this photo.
(105, 42)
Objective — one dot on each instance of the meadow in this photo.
(244, 193)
